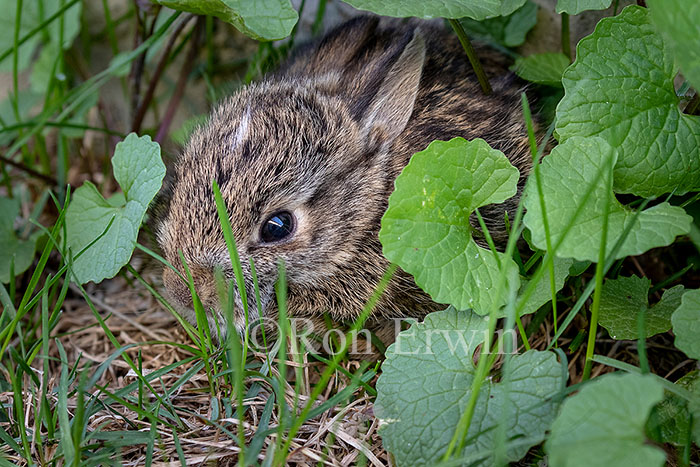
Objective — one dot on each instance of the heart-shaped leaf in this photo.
(621, 89)
(426, 383)
(426, 229)
(567, 174)
(623, 298)
(139, 171)
(604, 424)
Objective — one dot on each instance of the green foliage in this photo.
(546, 68)
(679, 21)
(574, 184)
(625, 297)
(574, 7)
(33, 14)
(509, 30)
(139, 171)
(426, 229)
(26, 100)
(474, 9)
(621, 89)
(262, 19)
(670, 420)
(15, 253)
(419, 405)
(620, 131)
(604, 424)
(686, 324)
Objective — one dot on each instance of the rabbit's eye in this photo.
(277, 227)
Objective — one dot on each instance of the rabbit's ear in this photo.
(391, 107)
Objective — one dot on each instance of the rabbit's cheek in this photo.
(177, 288)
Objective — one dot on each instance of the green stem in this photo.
(565, 35)
(15, 60)
(471, 55)
(599, 273)
(110, 28)
(538, 181)
(38, 29)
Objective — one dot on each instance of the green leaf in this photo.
(679, 22)
(574, 7)
(426, 383)
(621, 89)
(263, 20)
(453, 9)
(30, 19)
(544, 68)
(12, 249)
(670, 420)
(139, 171)
(509, 30)
(624, 297)
(566, 174)
(604, 424)
(686, 324)
(426, 229)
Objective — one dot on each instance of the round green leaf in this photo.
(623, 298)
(426, 228)
(573, 168)
(604, 424)
(574, 7)
(426, 383)
(474, 9)
(679, 21)
(686, 324)
(139, 171)
(621, 89)
(263, 20)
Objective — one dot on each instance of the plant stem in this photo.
(181, 83)
(38, 29)
(599, 273)
(150, 92)
(565, 35)
(471, 55)
(50, 180)
(318, 21)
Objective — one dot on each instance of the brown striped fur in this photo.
(324, 138)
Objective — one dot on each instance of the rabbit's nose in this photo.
(204, 285)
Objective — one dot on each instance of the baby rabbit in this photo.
(306, 160)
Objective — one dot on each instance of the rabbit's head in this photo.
(305, 167)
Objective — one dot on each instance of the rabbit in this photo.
(306, 160)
